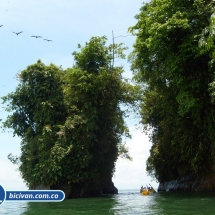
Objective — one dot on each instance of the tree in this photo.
(70, 121)
(93, 93)
(37, 110)
(173, 56)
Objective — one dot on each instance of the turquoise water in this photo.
(126, 202)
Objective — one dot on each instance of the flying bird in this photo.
(48, 40)
(1, 26)
(17, 33)
(37, 36)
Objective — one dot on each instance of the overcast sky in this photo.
(66, 23)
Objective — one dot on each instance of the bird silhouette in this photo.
(37, 36)
(17, 33)
(48, 40)
(1, 26)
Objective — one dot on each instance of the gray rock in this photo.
(86, 189)
(204, 182)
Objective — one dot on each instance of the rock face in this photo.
(80, 190)
(204, 182)
(87, 189)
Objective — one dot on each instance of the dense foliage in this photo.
(174, 57)
(70, 122)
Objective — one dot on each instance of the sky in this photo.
(67, 23)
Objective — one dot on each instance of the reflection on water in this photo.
(15, 208)
(134, 203)
(126, 202)
(72, 206)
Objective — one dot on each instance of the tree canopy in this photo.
(174, 57)
(70, 122)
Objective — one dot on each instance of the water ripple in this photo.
(125, 203)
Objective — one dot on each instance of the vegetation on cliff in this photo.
(174, 57)
(70, 122)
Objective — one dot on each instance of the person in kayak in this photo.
(141, 189)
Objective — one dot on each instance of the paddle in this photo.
(152, 187)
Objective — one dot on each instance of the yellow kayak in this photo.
(148, 192)
(145, 192)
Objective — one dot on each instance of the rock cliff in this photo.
(203, 182)
(87, 189)
(80, 190)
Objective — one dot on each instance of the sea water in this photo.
(126, 202)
